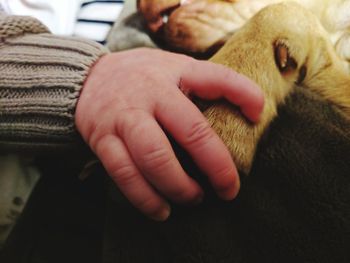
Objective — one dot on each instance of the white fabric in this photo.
(85, 30)
(18, 176)
(58, 15)
(97, 11)
(95, 19)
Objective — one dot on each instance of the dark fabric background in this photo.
(293, 207)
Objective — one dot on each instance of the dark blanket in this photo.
(293, 207)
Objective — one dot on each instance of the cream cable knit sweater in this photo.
(41, 76)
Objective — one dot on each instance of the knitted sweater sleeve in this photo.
(41, 76)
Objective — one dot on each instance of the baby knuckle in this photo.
(199, 133)
(129, 119)
(225, 178)
(157, 159)
(228, 73)
(183, 195)
(150, 206)
(124, 175)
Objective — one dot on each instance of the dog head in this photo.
(197, 26)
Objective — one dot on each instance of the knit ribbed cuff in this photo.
(41, 79)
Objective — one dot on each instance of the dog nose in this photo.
(156, 12)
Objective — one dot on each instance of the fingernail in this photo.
(237, 187)
(231, 192)
(163, 214)
(252, 115)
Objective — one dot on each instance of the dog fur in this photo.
(278, 56)
(203, 26)
(283, 45)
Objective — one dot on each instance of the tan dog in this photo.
(296, 50)
(282, 45)
(202, 26)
